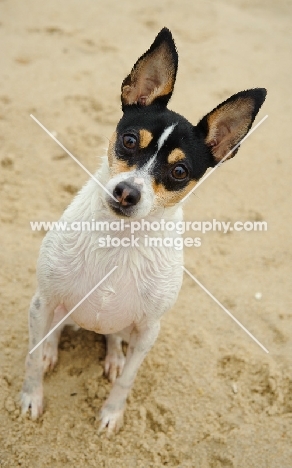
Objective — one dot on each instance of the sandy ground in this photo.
(207, 395)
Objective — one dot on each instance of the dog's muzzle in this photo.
(127, 194)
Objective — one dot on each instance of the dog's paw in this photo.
(32, 401)
(114, 364)
(112, 420)
(50, 356)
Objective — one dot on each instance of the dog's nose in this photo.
(127, 194)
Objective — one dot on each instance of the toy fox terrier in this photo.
(155, 157)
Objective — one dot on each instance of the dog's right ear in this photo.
(153, 76)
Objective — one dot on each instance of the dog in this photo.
(155, 157)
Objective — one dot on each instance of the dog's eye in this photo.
(129, 141)
(179, 172)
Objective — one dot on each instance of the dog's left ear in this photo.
(153, 76)
(225, 126)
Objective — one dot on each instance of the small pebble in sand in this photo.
(234, 387)
(258, 296)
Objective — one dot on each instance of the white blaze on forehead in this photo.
(165, 135)
(162, 139)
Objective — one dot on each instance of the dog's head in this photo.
(156, 156)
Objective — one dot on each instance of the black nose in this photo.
(127, 194)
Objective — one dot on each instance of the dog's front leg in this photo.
(141, 341)
(40, 318)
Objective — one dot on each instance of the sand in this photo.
(206, 395)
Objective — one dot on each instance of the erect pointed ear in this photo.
(153, 75)
(225, 126)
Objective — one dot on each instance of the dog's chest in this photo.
(144, 284)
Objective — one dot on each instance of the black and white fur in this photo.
(154, 159)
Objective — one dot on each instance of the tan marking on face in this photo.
(119, 166)
(166, 198)
(116, 165)
(111, 149)
(175, 156)
(145, 138)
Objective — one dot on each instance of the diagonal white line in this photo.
(225, 310)
(225, 157)
(73, 157)
(72, 310)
